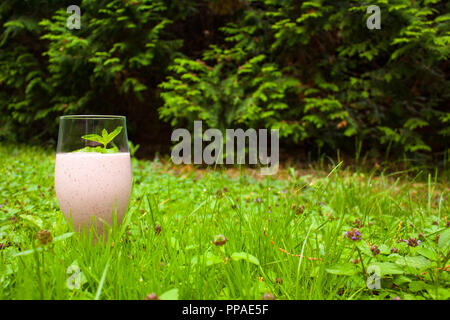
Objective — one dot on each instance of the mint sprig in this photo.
(103, 139)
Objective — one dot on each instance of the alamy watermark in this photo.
(373, 282)
(75, 279)
(235, 153)
(74, 21)
(374, 21)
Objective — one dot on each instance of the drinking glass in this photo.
(93, 177)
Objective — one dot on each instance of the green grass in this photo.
(264, 237)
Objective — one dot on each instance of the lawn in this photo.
(216, 234)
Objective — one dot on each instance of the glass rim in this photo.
(91, 117)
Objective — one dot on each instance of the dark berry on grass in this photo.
(330, 216)
(44, 237)
(157, 229)
(353, 234)
(375, 250)
(219, 240)
(357, 223)
(300, 209)
(268, 296)
(413, 242)
(437, 238)
(152, 296)
(394, 250)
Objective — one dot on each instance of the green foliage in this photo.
(250, 94)
(315, 71)
(106, 65)
(170, 295)
(309, 68)
(187, 257)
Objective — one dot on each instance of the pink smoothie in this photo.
(89, 184)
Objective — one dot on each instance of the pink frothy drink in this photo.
(93, 176)
(93, 184)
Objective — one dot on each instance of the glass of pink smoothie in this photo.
(93, 176)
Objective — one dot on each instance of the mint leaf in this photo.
(114, 134)
(93, 137)
(90, 149)
(110, 150)
(104, 139)
(104, 135)
(98, 149)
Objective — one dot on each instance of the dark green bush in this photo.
(113, 64)
(23, 70)
(315, 71)
(309, 68)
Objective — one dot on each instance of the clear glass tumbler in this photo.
(93, 177)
